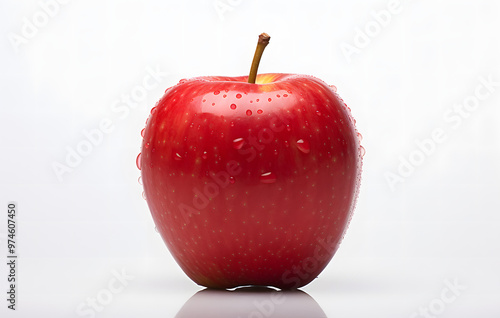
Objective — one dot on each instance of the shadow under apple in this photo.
(250, 302)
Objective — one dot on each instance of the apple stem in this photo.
(261, 45)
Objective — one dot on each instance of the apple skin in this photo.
(251, 184)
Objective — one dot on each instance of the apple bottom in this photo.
(290, 274)
(286, 247)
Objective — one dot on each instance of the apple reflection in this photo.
(250, 302)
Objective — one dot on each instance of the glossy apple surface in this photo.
(251, 184)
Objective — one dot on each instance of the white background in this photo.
(439, 224)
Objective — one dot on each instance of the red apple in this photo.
(251, 182)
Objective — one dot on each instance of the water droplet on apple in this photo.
(140, 180)
(285, 95)
(156, 230)
(360, 137)
(233, 106)
(276, 151)
(303, 146)
(257, 100)
(268, 177)
(182, 81)
(238, 96)
(224, 96)
(333, 87)
(269, 99)
(146, 145)
(289, 92)
(142, 132)
(143, 195)
(177, 156)
(259, 111)
(153, 110)
(238, 143)
(216, 92)
(249, 112)
(138, 161)
(213, 104)
(328, 154)
(362, 151)
(288, 128)
(231, 124)
(231, 180)
(278, 95)
(318, 113)
(204, 155)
